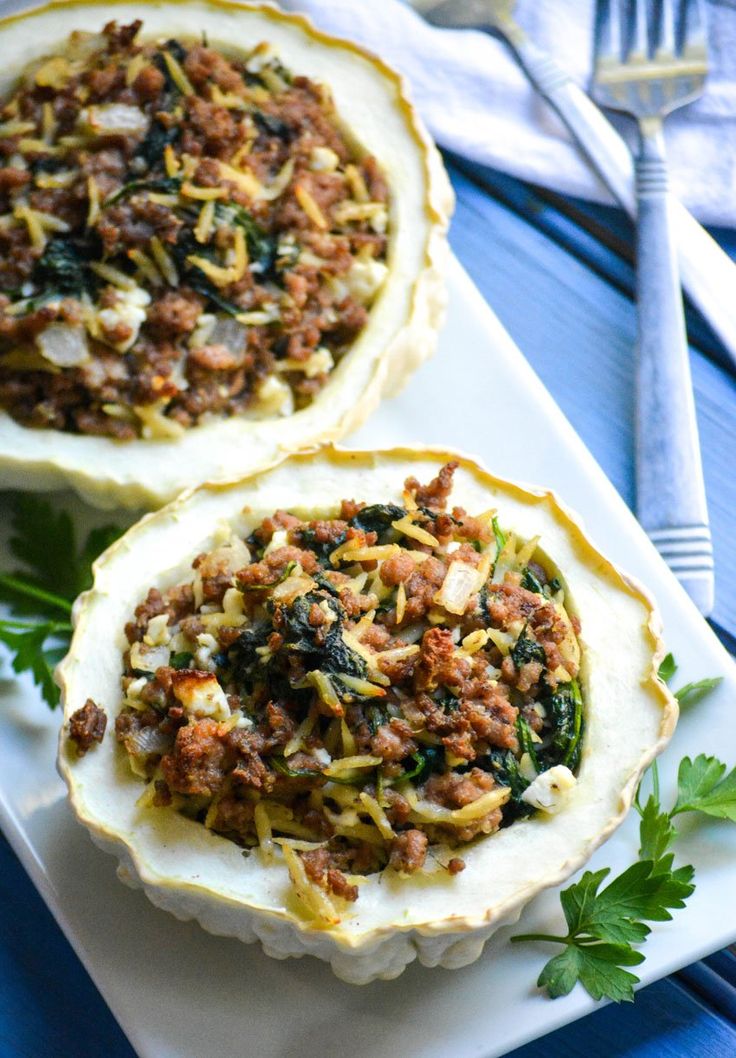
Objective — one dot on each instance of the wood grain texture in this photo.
(578, 330)
(559, 276)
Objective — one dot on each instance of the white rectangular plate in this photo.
(180, 993)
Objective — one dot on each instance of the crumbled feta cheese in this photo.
(147, 658)
(323, 160)
(201, 695)
(206, 646)
(157, 632)
(128, 311)
(202, 330)
(279, 539)
(135, 687)
(365, 279)
(550, 789)
(275, 397)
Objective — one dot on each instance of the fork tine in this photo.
(608, 31)
(664, 30)
(693, 29)
(638, 35)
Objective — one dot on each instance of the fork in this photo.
(648, 63)
(708, 274)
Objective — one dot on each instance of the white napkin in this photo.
(478, 104)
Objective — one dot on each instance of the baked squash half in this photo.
(363, 706)
(222, 236)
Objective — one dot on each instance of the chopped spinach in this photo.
(565, 714)
(279, 764)
(64, 267)
(504, 766)
(242, 654)
(531, 582)
(325, 651)
(483, 604)
(182, 660)
(377, 518)
(175, 49)
(527, 649)
(151, 148)
(163, 185)
(326, 585)
(262, 247)
(526, 740)
(307, 538)
(428, 759)
(187, 245)
(273, 126)
(375, 715)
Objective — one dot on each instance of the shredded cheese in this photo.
(178, 76)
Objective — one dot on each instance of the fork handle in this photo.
(670, 492)
(708, 273)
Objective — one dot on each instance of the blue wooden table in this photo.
(559, 274)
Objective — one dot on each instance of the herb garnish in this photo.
(604, 925)
(54, 571)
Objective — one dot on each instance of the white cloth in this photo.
(477, 102)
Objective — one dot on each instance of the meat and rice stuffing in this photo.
(183, 234)
(370, 687)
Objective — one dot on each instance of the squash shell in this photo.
(401, 331)
(439, 919)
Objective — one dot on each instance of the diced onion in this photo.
(64, 344)
(111, 118)
(461, 581)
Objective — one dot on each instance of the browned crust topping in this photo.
(361, 686)
(183, 234)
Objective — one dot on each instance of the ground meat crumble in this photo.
(184, 235)
(87, 726)
(375, 687)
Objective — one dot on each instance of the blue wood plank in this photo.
(49, 1007)
(600, 237)
(578, 331)
(666, 1021)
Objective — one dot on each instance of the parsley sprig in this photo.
(40, 593)
(605, 925)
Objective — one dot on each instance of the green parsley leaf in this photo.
(54, 572)
(597, 967)
(701, 787)
(32, 653)
(604, 924)
(668, 668)
(656, 832)
(692, 693)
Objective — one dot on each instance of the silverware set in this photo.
(650, 58)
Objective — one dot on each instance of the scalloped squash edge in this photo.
(402, 328)
(195, 874)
